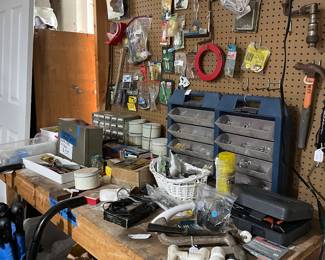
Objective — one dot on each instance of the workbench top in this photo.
(105, 240)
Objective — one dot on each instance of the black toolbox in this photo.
(275, 217)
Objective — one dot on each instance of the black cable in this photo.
(282, 80)
(312, 185)
(68, 203)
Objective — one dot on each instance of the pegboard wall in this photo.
(271, 30)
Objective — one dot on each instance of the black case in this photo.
(127, 212)
(254, 203)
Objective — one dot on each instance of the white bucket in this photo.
(135, 126)
(135, 139)
(158, 146)
(146, 143)
(151, 130)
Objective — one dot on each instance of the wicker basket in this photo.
(182, 189)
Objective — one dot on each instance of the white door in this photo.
(16, 49)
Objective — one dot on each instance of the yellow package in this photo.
(255, 58)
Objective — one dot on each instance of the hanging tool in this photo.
(119, 73)
(311, 10)
(311, 71)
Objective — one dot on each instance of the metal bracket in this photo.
(269, 84)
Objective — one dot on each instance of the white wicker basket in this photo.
(182, 189)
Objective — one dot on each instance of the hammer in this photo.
(311, 71)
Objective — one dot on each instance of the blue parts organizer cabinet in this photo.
(191, 128)
(202, 124)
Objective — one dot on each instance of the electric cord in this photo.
(282, 80)
(311, 184)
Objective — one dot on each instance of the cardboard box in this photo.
(134, 172)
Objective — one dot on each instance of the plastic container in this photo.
(146, 143)
(159, 146)
(247, 146)
(151, 130)
(135, 126)
(13, 153)
(52, 133)
(254, 167)
(194, 133)
(226, 168)
(86, 178)
(202, 151)
(192, 116)
(135, 139)
(200, 163)
(257, 128)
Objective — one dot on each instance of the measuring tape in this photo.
(219, 61)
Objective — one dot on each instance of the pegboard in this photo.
(270, 34)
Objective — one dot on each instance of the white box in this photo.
(33, 163)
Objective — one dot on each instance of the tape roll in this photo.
(219, 61)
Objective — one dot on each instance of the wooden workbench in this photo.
(105, 240)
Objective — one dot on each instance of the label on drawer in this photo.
(66, 148)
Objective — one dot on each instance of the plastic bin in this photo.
(254, 167)
(247, 146)
(200, 163)
(12, 153)
(198, 150)
(245, 179)
(194, 133)
(192, 116)
(257, 128)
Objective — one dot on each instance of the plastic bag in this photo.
(180, 63)
(154, 70)
(164, 39)
(166, 8)
(179, 42)
(238, 7)
(180, 4)
(144, 96)
(213, 210)
(161, 197)
(172, 26)
(137, 33)
(153, 93)
(115, 9)
(190, 68)
(255, 58)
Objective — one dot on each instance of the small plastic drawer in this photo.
(254, 167)
(192, 116)
(198, 150)
(245, 179)
(247, 146)
(101, 125)
(257, 128)
(196, 162)
(194, 133)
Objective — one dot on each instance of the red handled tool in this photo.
(311, 71)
